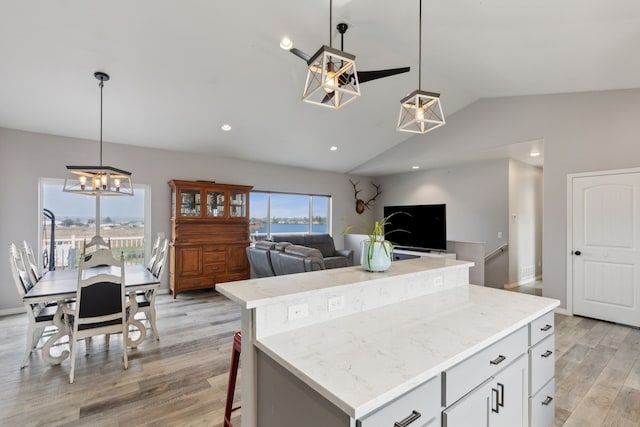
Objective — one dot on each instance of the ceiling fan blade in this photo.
(328, 97)
(365, 76)
(300, 54)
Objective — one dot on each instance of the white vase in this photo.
(380, 260)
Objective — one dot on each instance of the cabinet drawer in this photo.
(420, 404)
(466, 375)
(214, 257)
(214, 268)
(195, 283)
(541, 364)
(542, 406)
(540, 328)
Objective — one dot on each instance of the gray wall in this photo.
(582, 132)
(476, 195)
(26, 156)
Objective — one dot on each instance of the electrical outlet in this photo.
(336, 303)
(437, 282)
(299, 311)
(499, 234)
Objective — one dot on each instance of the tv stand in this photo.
(400, 254)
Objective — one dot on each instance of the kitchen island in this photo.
(348, 347)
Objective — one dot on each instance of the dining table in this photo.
(61, 286)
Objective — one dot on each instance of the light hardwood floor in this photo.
(181, 380)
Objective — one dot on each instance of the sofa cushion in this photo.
(303, 251)
(295, 239)
(336, 262)
(264, 245)
(322, 242)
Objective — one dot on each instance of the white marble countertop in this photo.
(269, 290)
(362, 361)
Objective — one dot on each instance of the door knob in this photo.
(577, 253)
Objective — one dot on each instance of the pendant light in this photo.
(420, 111)
(98, 180)
(332, 80)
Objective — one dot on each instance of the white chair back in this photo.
(96, 243)
(158, 268)
(154, 253)
(30, 260)
(20, 274)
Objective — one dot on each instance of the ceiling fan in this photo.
(334, 71)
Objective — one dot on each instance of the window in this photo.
(122, 220)
(277, 213)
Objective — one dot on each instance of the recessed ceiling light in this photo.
(415, 167)
(286, 43)
(534, 154)
(333, 148)
(225, 127)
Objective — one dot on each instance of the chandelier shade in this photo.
(98, 180)
(420, 112)
(332, 80)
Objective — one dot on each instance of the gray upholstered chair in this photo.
(296, 259)
(332, 258)
(259, 257)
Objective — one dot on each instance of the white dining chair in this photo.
(146, 300)
(100, 306)
(40, 315)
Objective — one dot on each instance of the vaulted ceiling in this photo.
(181, 69)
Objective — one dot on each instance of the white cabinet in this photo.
(501, 401)
(542, 371)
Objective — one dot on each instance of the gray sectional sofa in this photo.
(271, 258)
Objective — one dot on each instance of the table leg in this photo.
(136, 323)
(62, 331)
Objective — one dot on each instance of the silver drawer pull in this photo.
(498, 360)
(546, 328)
(547, 401)
(547, 353)
(411, 418)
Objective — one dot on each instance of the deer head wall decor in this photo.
(361, 204)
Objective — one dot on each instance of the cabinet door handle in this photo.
(411, 418)
(498, 360)
(215, 268)
(546, 328)
(494, 395)
(184, 240)
(500, 394)
(197, 282)
(547, 401)
(547, 353)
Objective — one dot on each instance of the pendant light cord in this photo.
(101, 86)
(420, 48)
(330, 21)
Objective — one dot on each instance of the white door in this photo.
(605, 253)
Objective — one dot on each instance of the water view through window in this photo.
(122, 220)
(278, 213)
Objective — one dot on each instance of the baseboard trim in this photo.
(12, 311)
(562, 310)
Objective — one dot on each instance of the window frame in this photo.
(310, 212)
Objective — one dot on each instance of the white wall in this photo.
(476, 196)
(525, 221)
(582, 132)
(26, 156)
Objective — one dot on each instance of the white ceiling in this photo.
(180, 69)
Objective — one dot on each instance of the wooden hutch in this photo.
(209, 234)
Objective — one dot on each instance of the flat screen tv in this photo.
(426, 226)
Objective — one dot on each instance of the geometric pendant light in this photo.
(420, 111)
(332, 80)
(98, 180)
